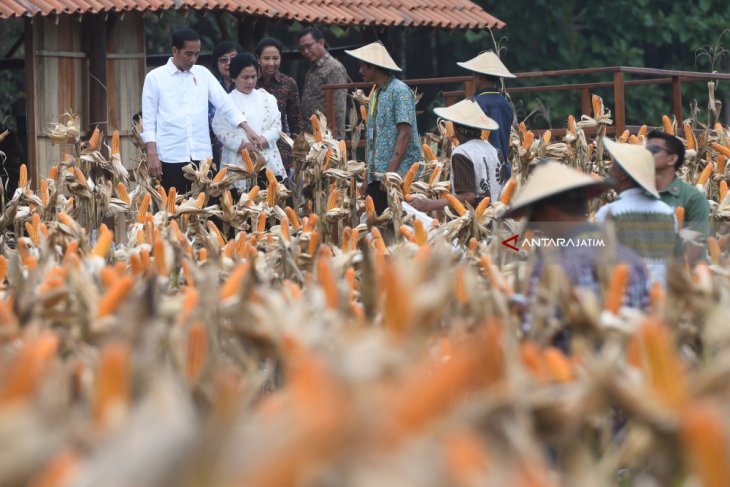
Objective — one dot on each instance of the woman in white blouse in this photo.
(262, 113)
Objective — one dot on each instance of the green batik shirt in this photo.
(696, 207)
(390, 105)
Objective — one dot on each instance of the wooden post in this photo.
(98, 106)
(677, 99)
(31, 102)
(469, 87)
(586, 107)
(329, 105)
(619, 102)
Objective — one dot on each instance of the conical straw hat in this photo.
(467, 113)
(549, 179)
(636, 161)
(376, 54)
(487, 63)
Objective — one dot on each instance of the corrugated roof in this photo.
(450, 14)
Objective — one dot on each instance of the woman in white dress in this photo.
(262, 113)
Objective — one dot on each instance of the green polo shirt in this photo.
(696, 207)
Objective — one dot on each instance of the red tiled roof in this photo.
(450, 14)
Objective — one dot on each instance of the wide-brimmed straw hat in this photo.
(374, 54)
(487, 63)
(467, 113)
(549, 179)
(636, 161)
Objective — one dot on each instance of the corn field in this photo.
(155, 339)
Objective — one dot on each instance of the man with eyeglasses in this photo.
(323, 70)
(668, 154)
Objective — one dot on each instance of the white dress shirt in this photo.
(263, 116)
(175, 111)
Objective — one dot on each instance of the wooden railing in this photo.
(619, 83)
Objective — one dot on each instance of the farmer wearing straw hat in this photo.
(555, 201)
(486, 70)
(477, 168)
(641, 220)
(392, 134)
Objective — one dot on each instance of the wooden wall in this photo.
(58, 79)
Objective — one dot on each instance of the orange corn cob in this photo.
(220, 175)
(523, 129)
(316, 129)
(112, 385)
(232, 286)
(494, 275)
(143, 207)
(667, 123)
(633, 139)
(3, 268)
(615, 293)
(679, 212)
(26, 369)
(284, 226)
(457, 206)
(247, 161)
(200, 201)
(53, 174)
(191, 297)
(213, 228)
(482, 206)
(596, 102)
(434, 176)
(114, 296)
(409, 177)
(44, 192)
(421, 236)
(546, 137)
(80, 177)
(571, 124)
(590, 151)
(171, 199)
(485, 134)
(449, 128)
(363, 113)
(713, 247)
(642, 131)
(721, 162)
(253, 193)
(163, 194)
(723, 190)
(271, 193)
(58, 472)
(624, 137)
(115, 142)
(351, 279)
(428, 153)
(108, 276)
(327, 158)
(558, 365)
(369, 206)
(705, 442)
(293, 219)
(721, 149)
(460, 292)
(705, 174)
(197, 351)
(662, 365)
(158, 253)
(355, 239)
(407, 234)
(508, 191)
(103, 244)
(122, 193)
(261, 225)
(378, 241)
(343, 151)
(689, 137)
(31, 233)
(533, 360)
(327, 281)
(527, 141)
(269, 175)
(95, 139)
(346, 240)
(397, 306)
(313, 242)
(333, 199)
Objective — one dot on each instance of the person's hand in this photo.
(155, 165)
(248, 146)
(260, 142)
(421, 204)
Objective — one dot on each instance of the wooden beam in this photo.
(30, 101)
(677, 98)
(619, 102)
(97, 47)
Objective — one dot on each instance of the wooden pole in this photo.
(98, 105)
(619, 101)
(677, 98)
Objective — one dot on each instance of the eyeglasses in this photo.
(307, 47)
(654, 149)
(225, 60)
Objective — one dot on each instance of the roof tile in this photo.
(451, 14)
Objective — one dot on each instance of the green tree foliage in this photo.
(551, 35)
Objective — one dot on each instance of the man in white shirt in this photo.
(175, 112)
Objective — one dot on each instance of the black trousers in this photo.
(173, 176)
(380, 197)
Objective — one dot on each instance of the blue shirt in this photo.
(390, 105)
(498, 109)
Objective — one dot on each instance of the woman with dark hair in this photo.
(223, 52)
(284, 88)
(262, 113)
